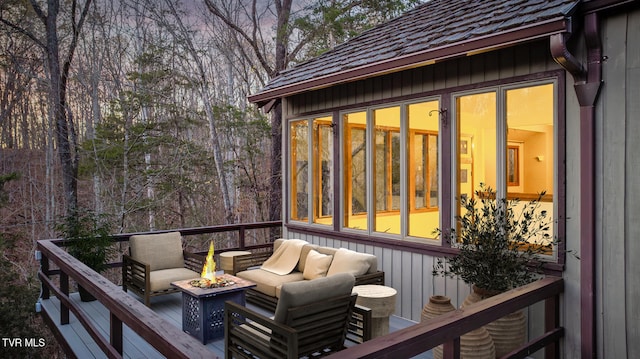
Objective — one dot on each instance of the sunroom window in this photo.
(505, 139)
(355, 170)
(404, 171)
(389, 174)
(311, 184)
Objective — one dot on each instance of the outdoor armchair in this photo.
(311, 319)
(156, 260)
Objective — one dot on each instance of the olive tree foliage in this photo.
(273, 35)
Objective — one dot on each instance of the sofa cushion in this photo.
(348, 261)
(161, 279)
(303, 255)
(266, 282)
(307, 292)
(317, 265)
(159, 251)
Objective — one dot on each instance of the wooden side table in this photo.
(382, 302)
(203, 309)
(226, 260)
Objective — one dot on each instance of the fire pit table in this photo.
(203, 308)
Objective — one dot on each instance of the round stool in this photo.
(226, 260)
(382, 302)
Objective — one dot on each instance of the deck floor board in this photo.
(168, 306)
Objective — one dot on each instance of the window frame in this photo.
(444, 95)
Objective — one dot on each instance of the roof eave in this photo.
(464, 48)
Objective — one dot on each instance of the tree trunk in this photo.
(275, 178)
(57, 99)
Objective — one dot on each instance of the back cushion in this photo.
(160, 251)
(303, 255)
(316, 265)
(295, 294)
(348, 261)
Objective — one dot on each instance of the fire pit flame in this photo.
(209, 268)
(208, 277)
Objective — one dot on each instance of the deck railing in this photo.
(172, 342)
(169, 340)
(447, 328)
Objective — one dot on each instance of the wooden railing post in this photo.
(115, 332)
(551, 322)
(451, 349)
(44, 267)
(241, 233)
(64, 288)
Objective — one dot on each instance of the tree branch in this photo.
(249, 39)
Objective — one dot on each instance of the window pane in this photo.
(299, 170)
(530, 145)
(355, 173)
(476, 142)
(387, 170)
(423, 167)
(323, 171)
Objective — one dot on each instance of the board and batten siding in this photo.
(466, 71)
(618, 190)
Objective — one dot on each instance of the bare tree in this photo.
(251, 34)
(59, 61)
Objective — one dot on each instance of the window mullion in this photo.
(404, 172)
(370, 136)
(501, 145)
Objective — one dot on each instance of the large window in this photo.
(505, 139)
(423, 169)
(299, 134)
(387, 169)
(404, 170)
(389, 180)
(355, 170)
(313, 184)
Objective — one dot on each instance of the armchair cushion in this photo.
(301, 293)
(160, 251)
(161, 279)
(316, 265)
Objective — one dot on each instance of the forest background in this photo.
(136, 111)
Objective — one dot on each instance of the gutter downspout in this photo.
(587, 84)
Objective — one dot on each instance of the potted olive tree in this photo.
(500, 246)
(88, 239)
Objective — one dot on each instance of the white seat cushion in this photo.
(266, 282)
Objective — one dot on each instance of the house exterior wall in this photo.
(617, 184)
(407, 271)
(618, 190)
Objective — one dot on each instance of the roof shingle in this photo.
(432, 25)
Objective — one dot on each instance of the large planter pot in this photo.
(85, 296)
(437, 305)
(508, 332)
(477, 344)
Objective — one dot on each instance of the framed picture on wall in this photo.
(466, 149)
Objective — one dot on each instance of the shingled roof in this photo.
(433, 31)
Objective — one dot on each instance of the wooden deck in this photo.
(167, 306)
